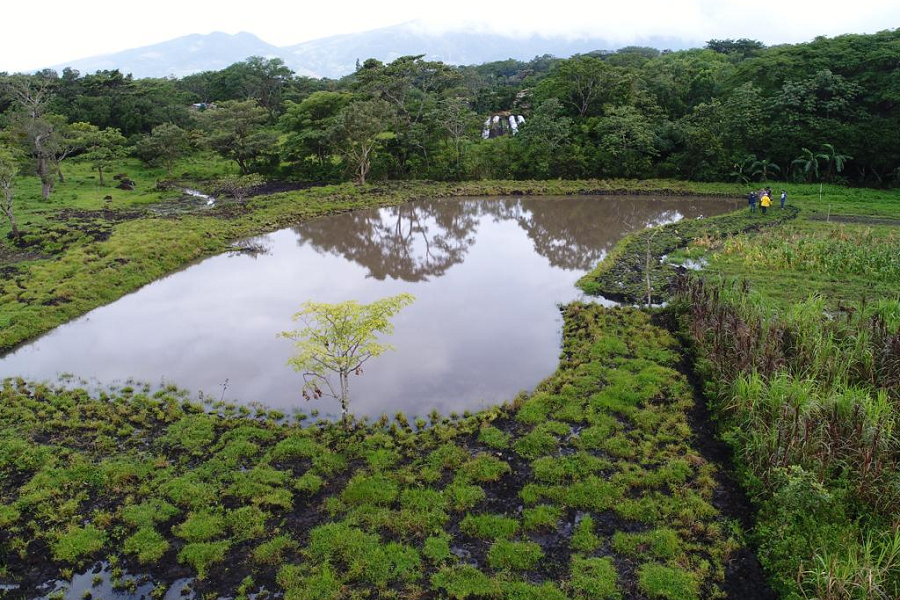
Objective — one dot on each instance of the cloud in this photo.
(90, 27)
(770, 21)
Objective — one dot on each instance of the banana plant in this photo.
(765, 168)
(808, 164)
(741, 171)
(834, 162)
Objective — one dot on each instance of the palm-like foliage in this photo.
(808, 163)
(834, 162)
(763, 169)
(741, 171)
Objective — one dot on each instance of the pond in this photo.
(488, 275)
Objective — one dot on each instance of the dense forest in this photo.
(735, 110)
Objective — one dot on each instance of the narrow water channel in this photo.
(488, 275)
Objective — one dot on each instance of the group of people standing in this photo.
(764, 197)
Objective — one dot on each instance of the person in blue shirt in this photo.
(751, 200)
(783, 198)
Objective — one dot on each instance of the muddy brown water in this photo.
(488, 275)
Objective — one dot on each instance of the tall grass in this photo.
(866, 571)
(873, 253)
(809, 401)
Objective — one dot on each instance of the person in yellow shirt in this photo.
(765, 202)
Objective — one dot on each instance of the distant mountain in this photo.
(182, 56)
(336, 56)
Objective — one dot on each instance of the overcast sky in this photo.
(55, 31)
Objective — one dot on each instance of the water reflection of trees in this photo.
(411, 242)
(575, 233)
(416, 241)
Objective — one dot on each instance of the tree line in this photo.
(735, 110)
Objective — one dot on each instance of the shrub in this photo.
(505, 555)
(272, 552)
(465, 581)
(370, 489)
(193, 433)
(493, 437)
(148, 513)
(521, 590)
(668, 583)
(202, 555)
(593, 578)
(541, 517)
(463, 496)
(296, 447)
(246, 523)
(584, 539)
(437, 548)
(8, 516)
(308, 483)
(489, 527)
(535, 444)
(802, 518)
(660, 543)
(189, 491)
(321, 584)
(201, 526)
(147, 545)
(78, 543)
(485, 468)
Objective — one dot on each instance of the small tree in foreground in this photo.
(337, 340)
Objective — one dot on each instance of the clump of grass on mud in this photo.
(160, 487)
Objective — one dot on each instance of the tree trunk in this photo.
(46, 178)
(7, 210)
(59, 173)
(100, 171)
(345, 398)
(12, 223)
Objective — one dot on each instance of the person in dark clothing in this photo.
(751, 200)
(783, 198)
